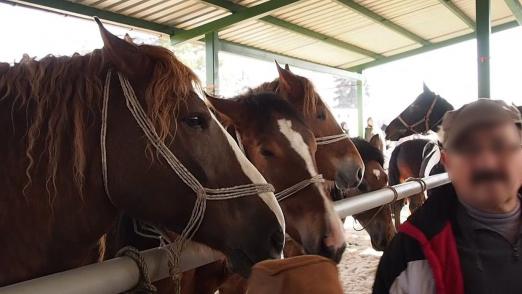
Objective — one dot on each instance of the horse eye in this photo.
(321, 115)
(194, 121)
(266, 153)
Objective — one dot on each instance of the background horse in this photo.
(423, 115)
(338, 161)
(377, 222)
(55, 187)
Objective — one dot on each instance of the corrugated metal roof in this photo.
(333, 32)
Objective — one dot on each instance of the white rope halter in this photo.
(290, 191)
(331, 139)
(202, 193)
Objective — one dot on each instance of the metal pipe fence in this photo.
(121, 274)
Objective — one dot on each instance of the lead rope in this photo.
(374, 216)
(202, 193)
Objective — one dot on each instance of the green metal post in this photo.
(360, 114)
(212, 62)
(483, 33)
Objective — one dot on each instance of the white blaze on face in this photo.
(336, 238)
(377, 173)
(253, 174)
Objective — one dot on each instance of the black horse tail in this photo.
(394, 175)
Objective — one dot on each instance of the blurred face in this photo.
(486, 167)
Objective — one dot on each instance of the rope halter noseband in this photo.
(202, 193)
(425, 119)
(292, 190)
(331, 139)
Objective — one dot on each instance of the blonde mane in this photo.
(61, 98)
(310, 97)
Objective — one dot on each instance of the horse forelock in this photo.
(310, 99)
(60, 96)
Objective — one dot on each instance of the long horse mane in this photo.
(310, 96)
(61, 96)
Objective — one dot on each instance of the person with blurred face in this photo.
(466, 236)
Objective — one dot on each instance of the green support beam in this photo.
(360, 108)
(224, 22)
(212, 62)
(383, 21)
(235, 8)
(459, 13)
(516, 9)
(87, 11)
(431, 47)
(483, 8)
(269, 56)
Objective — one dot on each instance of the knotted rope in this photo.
(331, 139)
(202, 193)
(144, 284)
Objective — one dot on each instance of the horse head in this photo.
(339, 161)
(175, 166)
(421, 116)
(377, 222)
(276, 139)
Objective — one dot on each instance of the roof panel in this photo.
(427, 22)
(428, 19)
(316, 52)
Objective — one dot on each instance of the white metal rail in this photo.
(121, 274)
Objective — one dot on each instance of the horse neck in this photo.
(51, 223)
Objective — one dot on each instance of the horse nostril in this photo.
(360, 174)
(278, 240)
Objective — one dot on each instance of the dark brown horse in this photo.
(377, 222)
(55, 206)
(423, 115)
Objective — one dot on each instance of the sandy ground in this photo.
(359, 263)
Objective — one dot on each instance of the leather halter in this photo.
(425, 119)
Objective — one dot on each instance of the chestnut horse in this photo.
(279, 143)
(70, 138)
(338, 161)
(423, 115)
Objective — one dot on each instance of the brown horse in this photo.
(423, 115)
(338, 161)
(53, 114)
(278, 142)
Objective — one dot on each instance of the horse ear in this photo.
(376, 142)
(287, 67)
(288, 82)
(425, 88)
(228, 109)
(128, 39)
(124, 55)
